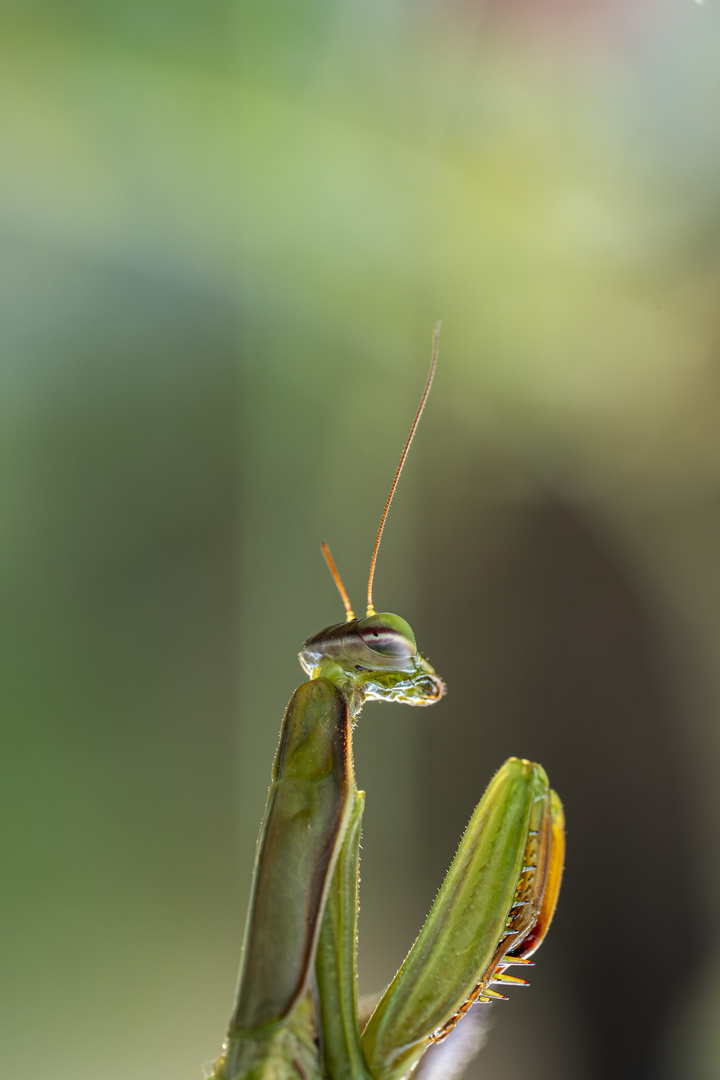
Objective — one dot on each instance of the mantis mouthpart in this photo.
(296, 1010)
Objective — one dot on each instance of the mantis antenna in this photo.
(418, 414)
(349, 613)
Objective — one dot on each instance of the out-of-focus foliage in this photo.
(227, 232)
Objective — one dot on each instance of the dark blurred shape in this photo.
(559, 660)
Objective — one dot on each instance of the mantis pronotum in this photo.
(296, 1012)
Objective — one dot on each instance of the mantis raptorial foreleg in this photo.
(492, 899)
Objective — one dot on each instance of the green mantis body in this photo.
(296, 1014)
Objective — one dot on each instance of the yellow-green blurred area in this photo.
(227, 231)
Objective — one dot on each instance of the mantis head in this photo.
(377, 657)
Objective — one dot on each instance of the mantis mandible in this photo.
(296, 1011)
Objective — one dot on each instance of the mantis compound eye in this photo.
(388, 635)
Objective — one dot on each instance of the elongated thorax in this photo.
(309, 803)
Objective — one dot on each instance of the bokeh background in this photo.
(227, 232)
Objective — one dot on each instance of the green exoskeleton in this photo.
(296, 1013)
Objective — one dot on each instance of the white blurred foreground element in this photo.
(447, 1060)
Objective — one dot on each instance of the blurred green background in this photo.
(227, 232)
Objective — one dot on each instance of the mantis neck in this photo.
(346, 683)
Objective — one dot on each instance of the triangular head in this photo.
(375, 658)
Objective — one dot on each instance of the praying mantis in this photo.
(296, 1011)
